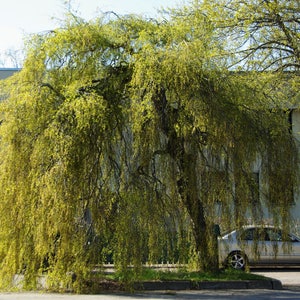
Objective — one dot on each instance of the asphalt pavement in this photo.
(182, 295)
(289, 277)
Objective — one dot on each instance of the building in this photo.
(294, 119)
(6, 72)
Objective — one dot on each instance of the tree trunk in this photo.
(183, 151)
(205, 238)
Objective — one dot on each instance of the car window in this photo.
(293, 238)
(274, 235)
(247, 234)
(266, 234)
(257, 234)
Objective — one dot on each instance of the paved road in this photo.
(188, 295)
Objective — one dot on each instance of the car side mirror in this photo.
(216, 230)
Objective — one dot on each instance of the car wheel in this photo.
(237, 261)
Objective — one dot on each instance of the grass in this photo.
(148, 274)
(115, 281)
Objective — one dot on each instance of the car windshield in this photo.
(226, 233)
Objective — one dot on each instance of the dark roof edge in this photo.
(10, 69)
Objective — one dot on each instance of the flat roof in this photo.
(6, 72)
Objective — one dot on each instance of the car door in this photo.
(284, 249)
(254, 242)
(294, 257)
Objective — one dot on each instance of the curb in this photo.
(269, 284)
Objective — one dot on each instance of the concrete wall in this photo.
(296, 133)
(296, 124)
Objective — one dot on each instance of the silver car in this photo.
(259, 246)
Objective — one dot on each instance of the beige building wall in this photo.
(296, 133)
(296, 124)
(6, 72)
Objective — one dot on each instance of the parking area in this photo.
(289, 277)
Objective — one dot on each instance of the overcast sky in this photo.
(22, 17)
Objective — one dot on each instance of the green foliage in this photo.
(261, 35)
(120, 138)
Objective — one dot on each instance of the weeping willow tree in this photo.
(264, 34)
(121, 136)
(211, 129)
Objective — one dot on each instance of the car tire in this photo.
(237, 260)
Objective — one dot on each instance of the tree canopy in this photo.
(262, 34)
(126, 138)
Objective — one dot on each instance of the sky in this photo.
(20, 18)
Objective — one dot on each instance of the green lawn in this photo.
(148, 274)
(117, 282)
